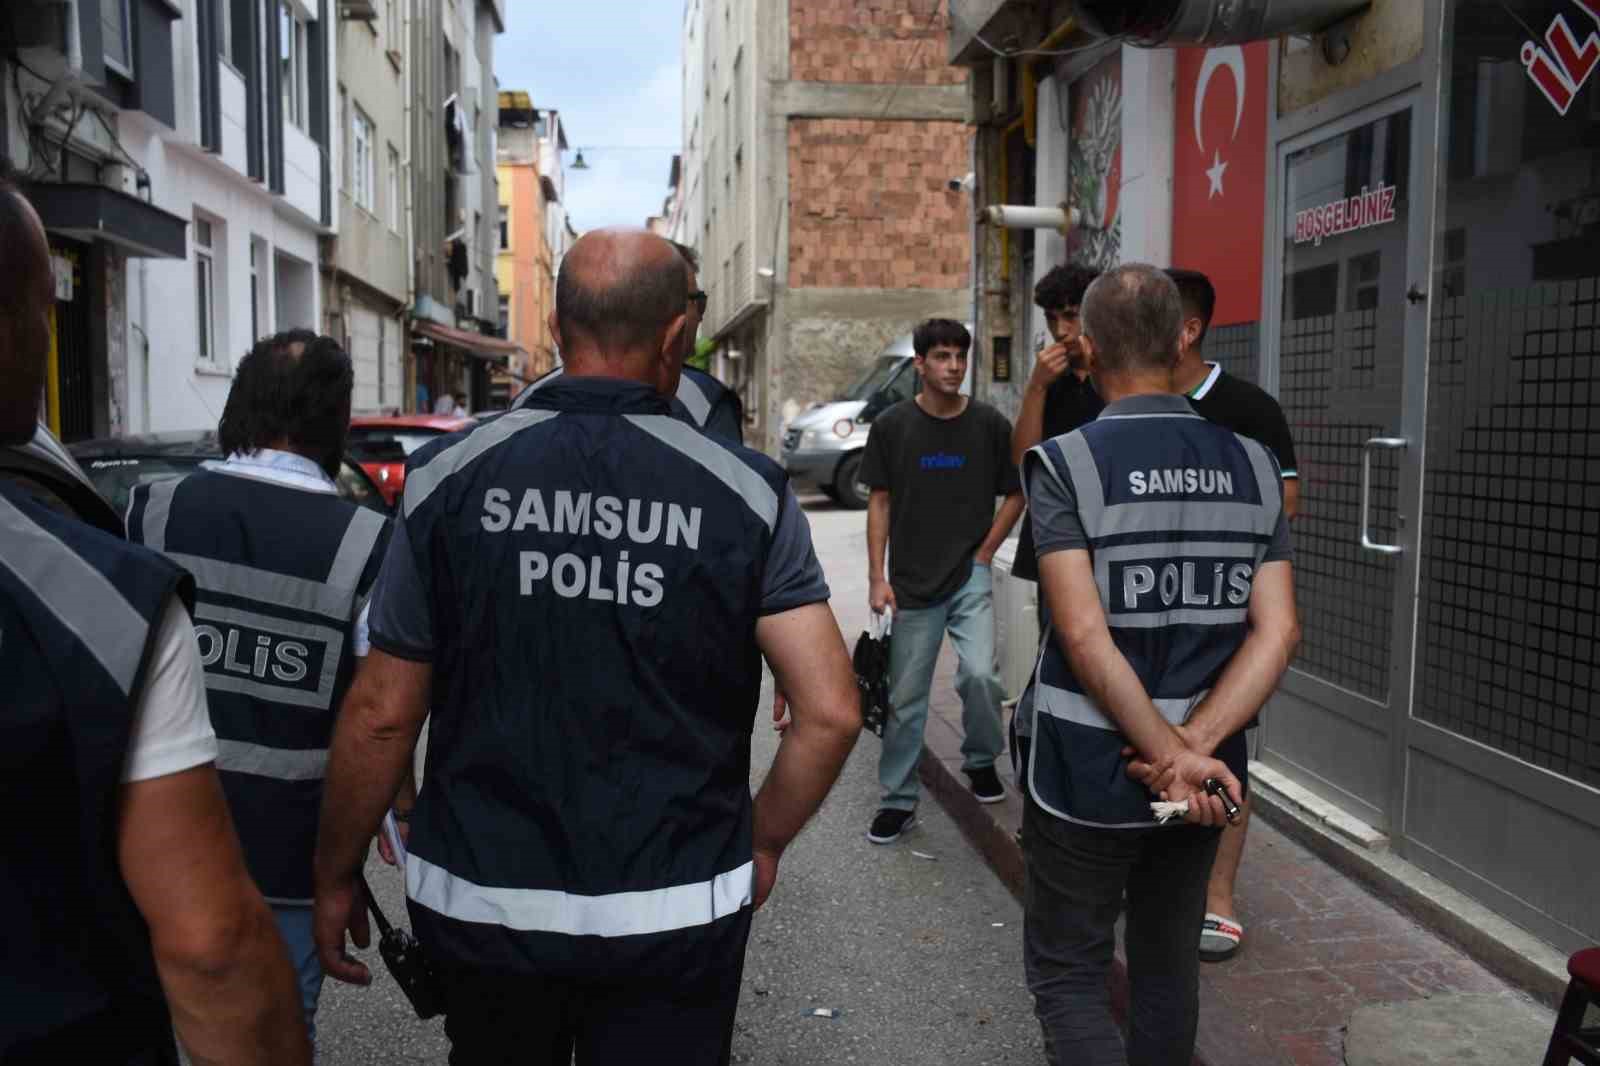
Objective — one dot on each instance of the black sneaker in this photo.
(889, 824)
(986, 785)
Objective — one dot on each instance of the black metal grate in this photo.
(1345, 593)
(1237, 349)
(1509, 622)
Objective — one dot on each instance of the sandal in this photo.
(1219, 937)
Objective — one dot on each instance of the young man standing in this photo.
(935, 464)
(1235, 404)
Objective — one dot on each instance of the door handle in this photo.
(1366, 493)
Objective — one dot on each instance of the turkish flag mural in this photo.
(1219, 194)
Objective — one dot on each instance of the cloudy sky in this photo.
(611, 68)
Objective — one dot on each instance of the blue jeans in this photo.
(294, 922)
(968, 615)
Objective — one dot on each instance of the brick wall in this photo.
(870, 206)
(877, 41)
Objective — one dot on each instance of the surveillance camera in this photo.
(961, 184)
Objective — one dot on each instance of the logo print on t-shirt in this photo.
(942, 461)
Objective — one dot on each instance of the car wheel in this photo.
(847, 485)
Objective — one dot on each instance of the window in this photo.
(255, 293)
(344, 124)
(394, 189)
(292, 65)
(225, 32)
(363, 160)
(505, 313)
(505, 227)
(114, 36)
(205, 297)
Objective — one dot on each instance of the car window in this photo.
(408, 439)
(116, 478)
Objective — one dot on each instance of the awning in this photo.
(88, 212)
(477, 345)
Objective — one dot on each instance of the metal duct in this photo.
(1153, 23)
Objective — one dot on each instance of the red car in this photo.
(380, 443)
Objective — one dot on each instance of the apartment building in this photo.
(366, 273)
(525, 264)
(455, 228)
(819, 140)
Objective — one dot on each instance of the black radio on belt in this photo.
(407, 964)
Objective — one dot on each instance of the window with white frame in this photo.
(393, 207)
(116, 46)
(255, 293)
(292, 65)
(206, 238)
(363, 160)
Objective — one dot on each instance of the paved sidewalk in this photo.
(1318, 947)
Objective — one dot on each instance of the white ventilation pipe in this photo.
(1023, 216)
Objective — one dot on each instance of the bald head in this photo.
(26, 296)
(619, 293)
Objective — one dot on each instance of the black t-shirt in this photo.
(1068, 404)
(942, 475)
(1236, 404)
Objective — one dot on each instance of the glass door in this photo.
(1350, 328)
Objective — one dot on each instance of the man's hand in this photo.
(1049, 365)
(340, 907)
(1183, 777)
(780, 711)
(881, 597)
(983, 557)
(766, 875)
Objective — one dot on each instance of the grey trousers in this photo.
(1076, 880)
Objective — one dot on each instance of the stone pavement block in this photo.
(1490, 1029)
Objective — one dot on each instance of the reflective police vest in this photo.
(78, 613)
(594, 568)
(282, 574)
(1178, 513)
(701, 398)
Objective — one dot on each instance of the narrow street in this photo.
(921, 957)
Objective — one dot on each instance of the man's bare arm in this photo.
(222, 962)
(1066, 579)
(1291, 497)
(1252, 675)
(1028, 431)
(373, 742)
(879, 594)
(811, 668)
(1005, 518)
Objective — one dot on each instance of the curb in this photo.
(1505, 950)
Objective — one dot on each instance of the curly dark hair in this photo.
(940, 332)
(1063, 286)
(292, 390)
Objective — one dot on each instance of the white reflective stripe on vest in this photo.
(1069, 706)
(281, 764)
(548, 910)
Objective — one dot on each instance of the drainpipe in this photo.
(144, 317)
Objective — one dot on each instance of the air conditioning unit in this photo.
(1016, 622)
(45, 35)
(1154, 23)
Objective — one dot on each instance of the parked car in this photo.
(369, 432)
(47, 471)
(823, 446)
(116, 464)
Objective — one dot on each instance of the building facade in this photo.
(819, 144)
(525, 262)
(454, 104)
(365, 262)
(1396, 215)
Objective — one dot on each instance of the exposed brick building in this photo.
(820, 139)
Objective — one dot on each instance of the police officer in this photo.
(1164, 558)
(700, 397)
(284, 566)
(586, 588)
(122, 874)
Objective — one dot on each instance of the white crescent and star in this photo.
(1230, 58)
